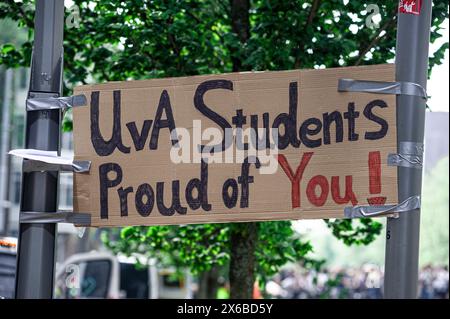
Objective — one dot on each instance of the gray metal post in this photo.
(402, 240)
(36, 252)
(4, 173)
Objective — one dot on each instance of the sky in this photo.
(438, 83)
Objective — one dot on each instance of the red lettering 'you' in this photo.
(295, 178)
(349, 194)
(322, 182)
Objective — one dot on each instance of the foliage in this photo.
(435, 216)
(137, 39)
(146, 39)
(201, 247)
(362, 234)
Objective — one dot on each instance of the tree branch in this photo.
(377, 38)
(199, 21)
(312, 14)
(240, 25)
(28, 22)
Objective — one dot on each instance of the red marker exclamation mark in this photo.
(375, 179)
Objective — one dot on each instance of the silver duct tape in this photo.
(39, 166)
(411, 155)
(51, 103)
(397, 88)
(81, 166)
(38, 160)
(375, 211)
(411, 148)
(410, 161)
(79, 219)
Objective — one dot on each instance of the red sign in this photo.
(410, 6)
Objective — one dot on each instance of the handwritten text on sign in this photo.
(234, 147)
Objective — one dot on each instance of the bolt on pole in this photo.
(36, 251)
(402, 234)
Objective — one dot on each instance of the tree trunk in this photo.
(208, 284)
(244, 235)
(240, 25)
(242, 260)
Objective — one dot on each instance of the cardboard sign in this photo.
(234, 147)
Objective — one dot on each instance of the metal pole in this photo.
(36, 252)
(402, 234)
(4, 173)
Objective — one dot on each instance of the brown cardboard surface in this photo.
(255, 93)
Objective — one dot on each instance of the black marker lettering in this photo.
(123, 197)
(106, 183)
(329, 118)
(201, 185)
(306, 131)
(164, 105)
(176, 206)
(230, 200)
(351, 115)
(382, 122)
(200, 105)
(102, 147)
(139, 139)
(245, 179)
(289, 121)
(144, 209)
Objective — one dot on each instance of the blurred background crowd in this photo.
(365, 282)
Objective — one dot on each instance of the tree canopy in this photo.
(139, 39)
